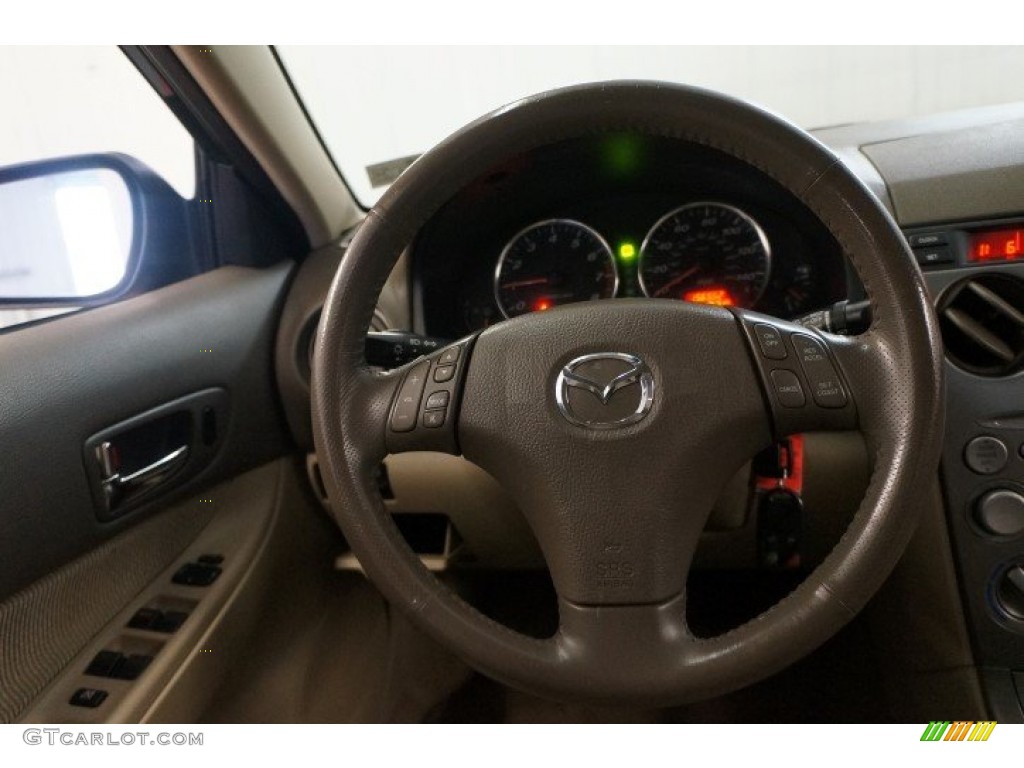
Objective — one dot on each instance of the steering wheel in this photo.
(615, 424)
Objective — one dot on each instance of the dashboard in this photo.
(955, 185)
(616, 216)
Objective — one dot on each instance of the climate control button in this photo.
(986, 455)
(1001, 512)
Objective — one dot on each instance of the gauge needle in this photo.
(674, 282)
(525, 283)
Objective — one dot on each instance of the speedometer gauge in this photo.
(706, 252)
(553, 262)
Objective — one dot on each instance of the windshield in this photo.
(378, 107)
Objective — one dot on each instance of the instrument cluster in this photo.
(707, 252)
(559, 227)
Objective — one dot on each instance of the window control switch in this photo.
(169, 621)
(145, 618)
(105, 664)
(88, 697)
(196, 575)
(132, 666)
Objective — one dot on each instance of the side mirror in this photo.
(73, 230)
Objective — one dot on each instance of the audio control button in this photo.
(407, 406)
(437, 400)
(434, 419)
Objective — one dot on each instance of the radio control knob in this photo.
(1011, 591)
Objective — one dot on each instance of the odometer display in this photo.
(706, 252)
(551, 263)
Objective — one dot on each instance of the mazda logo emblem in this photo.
(605, 390)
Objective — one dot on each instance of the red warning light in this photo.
(718, 297)
(541, 304)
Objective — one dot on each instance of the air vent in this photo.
(982, 320)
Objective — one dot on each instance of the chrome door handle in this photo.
(117, 488)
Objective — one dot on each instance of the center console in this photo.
(975, 272)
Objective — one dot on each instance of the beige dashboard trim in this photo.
(246, 85)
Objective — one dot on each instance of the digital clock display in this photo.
(997, 245)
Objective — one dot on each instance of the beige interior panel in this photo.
(965, 174)
(246, 85)
(497, 536)
(938, 168)
(45, 626)
(326, 646)
(482, 512)
(241, 515)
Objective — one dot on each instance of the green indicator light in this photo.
(627, 251)
(622, 155)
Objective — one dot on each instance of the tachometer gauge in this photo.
(709, 253)
(552, 263)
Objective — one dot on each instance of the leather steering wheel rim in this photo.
(630, 641)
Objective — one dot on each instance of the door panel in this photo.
(45, 626)
(65, 381)
(234, 523)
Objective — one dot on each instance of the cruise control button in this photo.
(407, 407)
(986, 455)
(788, 389)
(444, 373)
(434, 419)
(437, 400)
(771, 342)
(822, 378)
(449, 356)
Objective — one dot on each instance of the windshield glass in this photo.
(378, 107)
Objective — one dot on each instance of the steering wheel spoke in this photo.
(425, 401)
(633, 648)
(804, 386)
